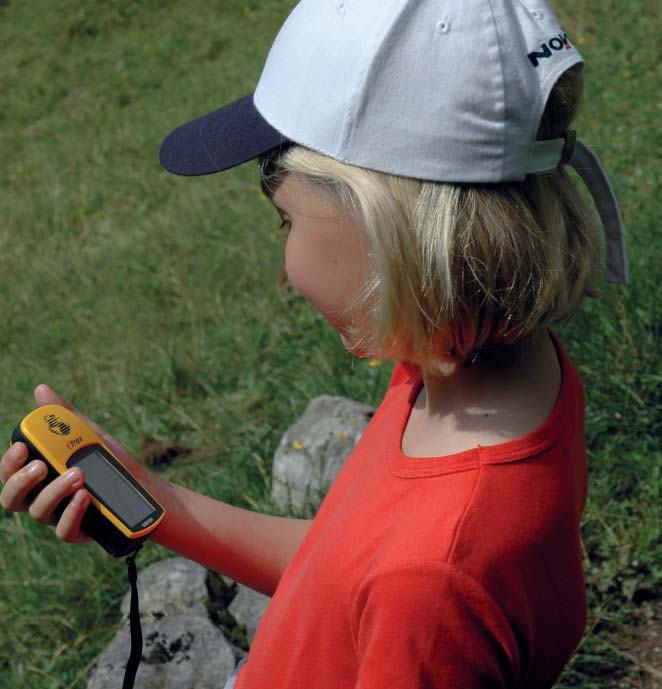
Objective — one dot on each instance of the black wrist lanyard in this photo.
(134, 623)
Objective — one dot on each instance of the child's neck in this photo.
(504, 394)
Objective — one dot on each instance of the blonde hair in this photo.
(461, 268)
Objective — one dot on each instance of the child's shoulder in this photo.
(504, 398)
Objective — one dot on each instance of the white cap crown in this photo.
(448, 90)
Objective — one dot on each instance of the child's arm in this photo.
(252, 548)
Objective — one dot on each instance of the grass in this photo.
(157, 303)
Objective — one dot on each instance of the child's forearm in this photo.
(250, 547)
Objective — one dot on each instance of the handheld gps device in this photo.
(121, 514)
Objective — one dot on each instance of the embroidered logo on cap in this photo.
(556, 43)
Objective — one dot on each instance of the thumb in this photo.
(44, 394)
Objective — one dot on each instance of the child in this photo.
(414, 151)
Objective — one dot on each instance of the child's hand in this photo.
(21, 483)
(22, 492)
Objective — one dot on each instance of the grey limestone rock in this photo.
(182, 648)
(247, 609)
(170, 586)
(313, 450)
(181, 651)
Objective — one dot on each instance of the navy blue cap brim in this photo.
(229, 136)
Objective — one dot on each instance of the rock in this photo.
(313, 450)
(180, 651)
(247, 609)
(182, 647)
(222, 592)
(171, 586)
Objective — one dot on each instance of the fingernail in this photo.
(35, 470)
(18, 451)
(80, 499)
(72, 476)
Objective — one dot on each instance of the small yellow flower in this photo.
(341, 435)
(581, 41)
(373, 363)
(297, 445)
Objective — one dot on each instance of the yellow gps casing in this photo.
(122, 514)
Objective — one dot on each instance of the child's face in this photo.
(327, 258)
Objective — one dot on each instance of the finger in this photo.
(12, 461)
(15, 495)
(43, 506)
(68, 527)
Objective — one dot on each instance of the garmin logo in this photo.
(56, 426)
(556, 44)
(147, 521)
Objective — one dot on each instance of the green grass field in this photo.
(158, 303)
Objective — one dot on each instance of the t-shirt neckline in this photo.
(528, 445)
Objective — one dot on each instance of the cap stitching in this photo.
(357, 101)
(503, 91)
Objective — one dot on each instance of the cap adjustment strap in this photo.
(589, 168)
(570, 138)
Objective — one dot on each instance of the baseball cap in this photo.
(432, 89)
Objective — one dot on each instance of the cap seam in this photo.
(503, 92)
(357, 101)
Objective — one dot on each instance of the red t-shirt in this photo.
(456, 572)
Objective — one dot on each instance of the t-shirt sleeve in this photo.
(429, 626)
